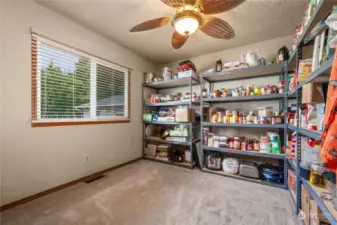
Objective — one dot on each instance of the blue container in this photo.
(272, 173)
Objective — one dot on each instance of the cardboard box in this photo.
(187, 73)
(316, 215)
(305, 203)
(291, 180)
(312, 93)
(150, 150)
(185, 115)
(265, 111)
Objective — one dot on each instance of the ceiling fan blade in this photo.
(219, 6)
(151, 24)
(217, 28)
(179, 3)
(178, 40)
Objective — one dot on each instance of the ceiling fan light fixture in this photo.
(186, 26)
(187, 22)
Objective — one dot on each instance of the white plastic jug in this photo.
(252, 59)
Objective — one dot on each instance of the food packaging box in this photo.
(147, 117)
(312, 93)
(265, 111)
(183, 115)
(305, 68)
(187, 73)
(150, 150)
(291, 181)
(305, 203)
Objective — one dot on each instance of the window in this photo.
(71, 87)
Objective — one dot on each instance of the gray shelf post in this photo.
(298, 137)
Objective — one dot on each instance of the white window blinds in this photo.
(69, 85)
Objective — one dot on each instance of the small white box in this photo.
(187, 73)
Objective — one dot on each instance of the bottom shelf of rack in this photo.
(183, 164)
(326, 207)
(258, 181)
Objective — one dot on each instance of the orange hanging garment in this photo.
(329, 136)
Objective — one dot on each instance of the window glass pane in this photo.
(65, 83)
(110, 92)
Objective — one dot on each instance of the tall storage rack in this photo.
(278, 69)
(324, 70)
(160, 85)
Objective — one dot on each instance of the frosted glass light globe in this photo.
(186, 26)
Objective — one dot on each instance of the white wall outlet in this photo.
(86, 158)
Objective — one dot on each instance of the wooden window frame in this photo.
(36, 123)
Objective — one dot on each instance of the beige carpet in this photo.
(149, 193)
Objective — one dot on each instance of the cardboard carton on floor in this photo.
(312, 93)
(305, 204)
(184, 115)
(316, 215)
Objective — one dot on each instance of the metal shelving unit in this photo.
(292, 163)
(270, 126)
(278, 69)
(326, 207)
(160, 85)
(166, 122)
(167, 142)
(243, 152)
(221, 173)
(245, 98)
(319, 75)
(175, 103)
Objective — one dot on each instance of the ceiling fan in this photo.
(191, 15)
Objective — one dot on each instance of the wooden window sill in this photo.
(75, 123)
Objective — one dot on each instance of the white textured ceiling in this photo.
(253, 21)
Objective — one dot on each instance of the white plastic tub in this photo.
(231, 165)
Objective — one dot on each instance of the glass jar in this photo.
(250, 118)
(316, 174)
(235, 117)
(217, 94)
(240, 118)
(243, 144)
(214, 118)
(250, 145)
(255, 120)
(244, 119)
(256, 145)
(226, 118)
(231, 142)
(220, 118)
(237, 143)
(263, 91)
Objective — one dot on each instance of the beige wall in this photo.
(37, 159)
